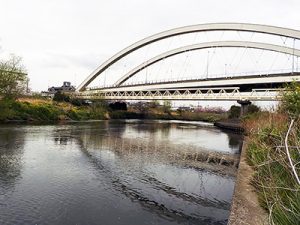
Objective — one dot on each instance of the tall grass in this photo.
(47, 111)
(275, 182)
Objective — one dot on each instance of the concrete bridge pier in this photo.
(244, 106)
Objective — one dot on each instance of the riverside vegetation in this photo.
(37, 108)
(273, 150)
(45, 110)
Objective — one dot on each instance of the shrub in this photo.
(253, 109)
(76, 102)
(125, 115)
(61, 97)
(234, 112)
(118, 106)
(291, 100)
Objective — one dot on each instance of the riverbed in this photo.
(114, 172)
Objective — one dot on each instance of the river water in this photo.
(113, 172)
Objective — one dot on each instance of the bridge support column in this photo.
(244, 106)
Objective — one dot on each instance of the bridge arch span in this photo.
(273, 30)
(233, 44)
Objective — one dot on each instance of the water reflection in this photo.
(177, 194)
(235, 141)
(114, 172)
(11, 150)
(195, 133)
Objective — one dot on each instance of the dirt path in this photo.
(245, 209)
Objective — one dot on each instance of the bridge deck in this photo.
(255, 88)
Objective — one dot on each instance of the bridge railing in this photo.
(191, 78)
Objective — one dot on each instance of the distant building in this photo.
(185, 108)
(66, 87)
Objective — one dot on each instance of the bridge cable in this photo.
(222, 34)
(235, 55)
(225, 56)
(239, 34)
(259, 59)
(184, 65)
(270, 69)
(162, 64)
(283, 41)
(254, 61)
(287, 64)
(245, 50)
(207, 65)
(195, 40)
(293, 61)
(218, 58)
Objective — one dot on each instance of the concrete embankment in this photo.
(234, 125)
(245, 208)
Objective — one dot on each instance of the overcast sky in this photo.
(67, 39)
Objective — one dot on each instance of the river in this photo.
(115, 172)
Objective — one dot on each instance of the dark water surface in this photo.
(112, 172)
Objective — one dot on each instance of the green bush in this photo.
(13, 110)
(291, 100)
(125, 115)
(76, 102)
(6, 110)
(61, 97)
(253, 109)
(234, 112)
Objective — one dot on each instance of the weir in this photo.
(186, 155)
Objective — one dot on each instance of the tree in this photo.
(167, 106)
(13, 78)
(61, 97)
(154, 104)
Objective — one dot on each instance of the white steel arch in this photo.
(234, 44)
(273, 30)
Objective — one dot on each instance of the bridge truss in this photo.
(217, 94)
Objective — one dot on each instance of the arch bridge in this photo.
(256, 87)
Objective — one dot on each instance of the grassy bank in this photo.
(276, 184)
(46, 111)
